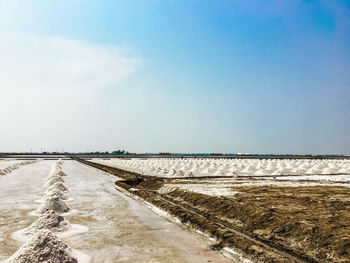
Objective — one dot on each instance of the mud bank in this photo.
(213, 227)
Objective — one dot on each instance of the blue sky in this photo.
(183, 76)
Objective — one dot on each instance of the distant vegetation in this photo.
(117, 152)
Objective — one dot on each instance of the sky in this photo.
(257, 76)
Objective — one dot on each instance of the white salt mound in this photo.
(49, 220)
(54, 173)
(54, 179)
(56, 193)
(61, 173)
(53, 204)
(59, 186)
(43, 246)
(57, 170)
(12, 167)
(54, 168)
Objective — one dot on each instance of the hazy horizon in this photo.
(166, 76)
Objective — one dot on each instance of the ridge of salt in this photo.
(61, 173)
(56, 192)
(49, 220)
(53, 203)
(43, 246)
(59, 186)
(54, 179)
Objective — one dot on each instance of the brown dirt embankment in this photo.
(208, 223)
(312, 222)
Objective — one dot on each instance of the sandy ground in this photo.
(120, 229)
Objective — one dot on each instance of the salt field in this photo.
(271, 171)
(298, 208)
(75, 212)
(174, 210)
(175, 131)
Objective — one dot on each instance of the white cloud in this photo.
(49, 90)
(53, 62)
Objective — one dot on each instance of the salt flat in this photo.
(119, 228)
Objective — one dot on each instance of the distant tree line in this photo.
(117, 152)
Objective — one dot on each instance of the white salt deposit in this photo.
(54, 179)
(74, 229)
(14, 166)
(23, 235)
(43, 246)
(56, 192)
(49, 220)
(234, 255)
(20, 235)
(207, 189)
(59, 186)
(176, 167)
(55, 204)
(61, 173)
(81, 256)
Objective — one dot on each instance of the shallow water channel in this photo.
(120, 229)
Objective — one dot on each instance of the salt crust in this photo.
(74, 229)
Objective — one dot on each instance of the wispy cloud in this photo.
(54, 62)
(49, 87)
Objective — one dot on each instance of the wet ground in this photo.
(120, 229)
